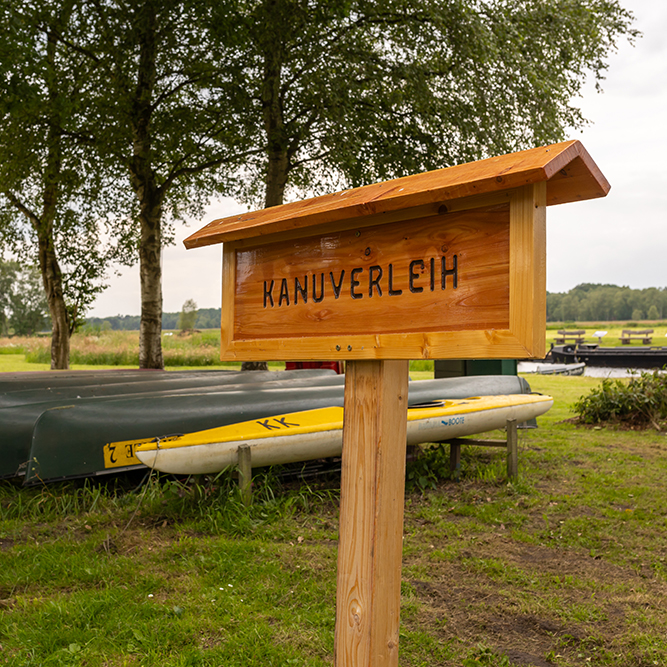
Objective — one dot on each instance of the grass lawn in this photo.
(613, 329)
(17, 362)
(11, 363)
(567, 567)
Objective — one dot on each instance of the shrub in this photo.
(640, 402)
(427, 468)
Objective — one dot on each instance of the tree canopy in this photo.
(159, 119)
(23, 307)
(344, 93)
(188, 316)
(52, 195)
(272, 99)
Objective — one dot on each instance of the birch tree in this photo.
(342, 94)
(50, 192)
(162, 117)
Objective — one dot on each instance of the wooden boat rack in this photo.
(511, 444)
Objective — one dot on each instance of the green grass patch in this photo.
(12, 349)
(120, 349)
(613, 329)
(566, 566)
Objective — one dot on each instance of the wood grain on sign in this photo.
(529, 287)
(503, 317)
(371, 510)
(569, 171)
(447, 272)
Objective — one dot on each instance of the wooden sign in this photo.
(443, 273)
(449, 264)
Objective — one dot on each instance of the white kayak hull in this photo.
(315, 434)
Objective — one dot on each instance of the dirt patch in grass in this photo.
(537, 602)
(140, 539)
(6, 543)
(530, 596)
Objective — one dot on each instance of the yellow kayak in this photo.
(314, 434)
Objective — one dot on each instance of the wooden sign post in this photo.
(449, 264)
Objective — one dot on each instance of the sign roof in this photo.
(570, 173)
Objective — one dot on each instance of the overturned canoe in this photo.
(69, 441)
(561, 369)
(17, 420)
(99, 385)
(27, 379)
(314, 434)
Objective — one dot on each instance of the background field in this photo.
(566, 567)
(613, 329)
(120, 349)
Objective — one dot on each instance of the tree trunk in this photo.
(277, 145)
(254, 366)
(150, 271)
(48, 262)
(274, 125)
(142, 177)
(53, 286)
(50, 269)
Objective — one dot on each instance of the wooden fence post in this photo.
(455, 460)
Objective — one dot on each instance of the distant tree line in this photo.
(590, 302)
(207, 318)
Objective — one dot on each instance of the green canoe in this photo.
(18, 420)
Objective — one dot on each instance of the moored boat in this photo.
(610, 357)
(561, 369)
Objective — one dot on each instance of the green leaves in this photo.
(265, 100)
(639, 402)
(53, 197)
(188, 316)
(347, 93)
(23, 308)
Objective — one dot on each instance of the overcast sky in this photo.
(621, 239)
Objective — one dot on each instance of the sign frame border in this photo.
(525, 337)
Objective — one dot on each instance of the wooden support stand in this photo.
(511, 444)
(245, 474)
(371, 514)
(512, 450)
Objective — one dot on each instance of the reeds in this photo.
(121, 348)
